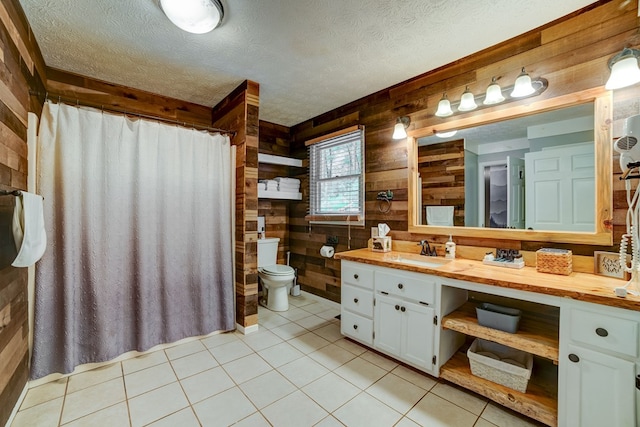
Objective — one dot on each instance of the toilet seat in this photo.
(277, 270)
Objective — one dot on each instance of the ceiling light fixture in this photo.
(444, 107)
(400, 129)
(194, 16)
(624, 69)
(494, 93)
(523, 86)
(467, 101)
(447, 134)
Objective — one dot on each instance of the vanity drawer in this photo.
(357, 274)
(357, 327)
(418, 287)
(605, 331)
(357, 300)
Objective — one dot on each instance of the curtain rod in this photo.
(77, 101)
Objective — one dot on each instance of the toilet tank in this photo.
(267, 251)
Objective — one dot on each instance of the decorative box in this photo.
(381, 244)
(554, 261)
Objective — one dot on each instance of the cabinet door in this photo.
(600, 390)
(417, 334)
(388, 324)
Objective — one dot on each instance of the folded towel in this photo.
(28, 229)
(440, 215)
(262, 186)
(282, 187)
(282, 179)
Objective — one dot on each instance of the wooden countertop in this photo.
(577, 286)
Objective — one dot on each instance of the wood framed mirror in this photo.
(593, 209)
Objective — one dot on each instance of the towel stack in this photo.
(268, 185)
(262, 186)
(288, 185)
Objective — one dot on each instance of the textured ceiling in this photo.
(309, 56)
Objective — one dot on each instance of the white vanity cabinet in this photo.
(357, 302)
(599, 365)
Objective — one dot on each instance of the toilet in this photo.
(276, 278)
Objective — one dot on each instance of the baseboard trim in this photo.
(247, 330)
(320, 299)
(16, 407)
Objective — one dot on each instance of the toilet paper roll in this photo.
(327, 251)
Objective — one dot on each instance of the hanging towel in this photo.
(440, 215)
(28, 229)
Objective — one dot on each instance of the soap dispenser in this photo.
(450, 249)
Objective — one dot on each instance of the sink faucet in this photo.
(426, 249)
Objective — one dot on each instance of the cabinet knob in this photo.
(397, 307)
(403, 309)
(400, 286)
(355, 276)
(355, 300)
(574, 358)
(602, 332)
(355, 326)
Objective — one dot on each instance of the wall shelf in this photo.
(279, 160)
(264, 194)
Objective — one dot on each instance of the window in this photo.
(336, 177)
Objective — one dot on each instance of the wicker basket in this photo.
(500, 367)
(554, 261)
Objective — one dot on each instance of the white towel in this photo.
(262, 186)
(440, 215)
(284, 180)
(284, 187)
(28, 229)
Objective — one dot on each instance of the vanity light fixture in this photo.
(193, 16)
(467, 101)
(400, 129)
(444, 107)
(624, 69)
(494, 93)
(523, 86)
(447, 134)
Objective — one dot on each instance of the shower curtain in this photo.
(138, 216)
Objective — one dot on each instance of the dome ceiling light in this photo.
(193, 16)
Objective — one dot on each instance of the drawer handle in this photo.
(355, 276)
(602, 332)
(397, 307)
(574, 358)
(355, 300)
(355, 326)
(403, 309)
(400, 286)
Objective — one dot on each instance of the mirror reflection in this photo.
(535, 172)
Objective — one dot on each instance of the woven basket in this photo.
(554, 261)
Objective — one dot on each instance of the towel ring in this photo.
(381, 205)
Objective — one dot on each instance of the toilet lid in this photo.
(278, 270)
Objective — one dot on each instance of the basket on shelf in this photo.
(554, 261)
(500, 364)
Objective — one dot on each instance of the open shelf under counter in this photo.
(540, 402)
(534, 335)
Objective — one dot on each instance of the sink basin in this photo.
(430, 262)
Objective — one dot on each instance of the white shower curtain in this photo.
(138, 215)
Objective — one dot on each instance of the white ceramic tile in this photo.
(116, 415)
(42, 415)
(312, 322)
(360, 373)
(503, 417)
(248, 367)
(316, 307)
(93, 377)
(332, 356)
(301, 301)
(381, 361)
(295, 410)
(465, 399)
(414, 377)
(255, 420)
(484, 423)
(156, 404)
(294, 314)
(329, 421)
(330, 332)
(302, 371)
(280, 354)
(272, 322)
(434, 411)
(143, 362)
(406, 422)
(261, 340)
(206, 384)
(396, 392)
(331, 391)
(182, 418)
(329, 314)
(364, 410)
(267, 388)
(230, 351)
(351, 346)
(219, 339)
(193, 363)
(289, 330)
(148, 379)
(185, 349)
(224, 408)
(44, 393)
(308, 343)
(92, 399)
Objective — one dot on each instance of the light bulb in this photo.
(523, 86)
(444, 107)
(467, 101)
(494, 93)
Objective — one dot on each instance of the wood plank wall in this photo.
(572, 53)
(239, 112)
(21, 69)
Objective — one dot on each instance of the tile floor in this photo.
(296, 371)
